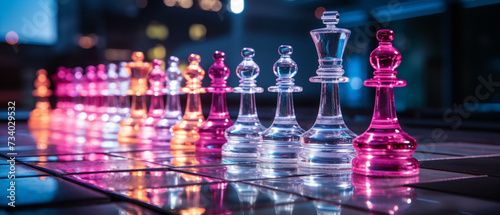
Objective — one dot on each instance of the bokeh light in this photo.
(157, 31)
(197, 32)
(319, 12)
(86, 42)
(141, 3)
(157, 52)
(236, 6)
(169, 3)
(185, 3)
(11, 38)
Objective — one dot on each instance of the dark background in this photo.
(447, 48)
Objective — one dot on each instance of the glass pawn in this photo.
(111, 118)
(212, 131)
(244, 136)
(385, 149)
(185, 132)
(173, 112)
(281, 141)
(328, 144)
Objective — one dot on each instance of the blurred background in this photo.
(449, 47)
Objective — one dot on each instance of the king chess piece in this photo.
(384, 149)
(244, 136)
(212, 131)
(328, 144)
(280, 142)
(129, 128)
(40, 116)
(185, 132)
(173, 113)
(156, 80)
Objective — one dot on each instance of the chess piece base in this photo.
(279, 152)
(129, 129)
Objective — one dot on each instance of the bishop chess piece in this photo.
(40, 116)
(173, 113)
(244, 136)
(328, 144)
(384, 149)
(280, 142)
(185, 132)
(156, 78)
(212, 131)
(129, 128)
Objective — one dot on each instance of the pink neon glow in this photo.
(384, 149)
(212, 131)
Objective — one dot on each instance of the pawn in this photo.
(384, 149)
(124, 85)
(185, 132)
(212, 131)
(111, 118)
(281, 141)
(173, 113)
(156, 78)
(244, 136)
(40, 116)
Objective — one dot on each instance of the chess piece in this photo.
(244, 136)
(40, 117)
(94, 119)
(280, 142)
(328, 144)
(384, 149)
(68, 125)
(82, 102)
(129, 128)
(212, 131)
(156, 78)
(173, 113)
(124, 85)
(185, 134)
(111, 118)
(58, 113)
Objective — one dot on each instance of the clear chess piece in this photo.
(212, 131)
(185, 132)
(156, 78)
(280, 142)
(94, 120)
(111, 118)
(385, 149)
(81, 103)
(173, 112)
(129, 128)
(328, 144)
(40, 116)
(124, 85)
(244, 136)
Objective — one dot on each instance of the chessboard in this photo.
(56, 175)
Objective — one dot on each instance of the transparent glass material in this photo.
(212, 131)
(94, 119)
(156, 78)
(244, 136)
(40, 116)
(185, 132)
(280, 142)
(129, 128)
(280, 172)
(112, 118)
(328, 144)
(384, 149)
(124, 85)
(173, 113)
(247, 193)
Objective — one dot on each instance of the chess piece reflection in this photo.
(185, 134)
(173, 113)
(244, 136)
(40, 117)
(280, 142)
(384, 149)
(129, 128)
(212, 131)
(382, 194)
(328, 144)
(246, 193)
(156, 78)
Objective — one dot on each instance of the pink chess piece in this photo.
(384, 149)
(212, 131)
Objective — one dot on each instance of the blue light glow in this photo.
(237, 6)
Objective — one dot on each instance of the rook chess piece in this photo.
(280, 142)
(129, 128)
(40, 116)
(328, 144)
(244, 136)
(384, 149)
(185, 132)
(212, 131)
(173, 113)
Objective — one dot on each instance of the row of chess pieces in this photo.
(94, 105)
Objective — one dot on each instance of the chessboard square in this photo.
(68, 167)
(97, 209)
(19, 170)
(475, 166)
(460, 149)
(479, 187)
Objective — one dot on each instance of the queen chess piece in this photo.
(244, 136)
(385, 149)
(173, 112)
(185, 132)
(328, 144)
(212, 131)
(280, 142)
